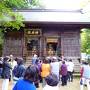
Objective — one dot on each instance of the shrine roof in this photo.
(56, 16)
(59, 16)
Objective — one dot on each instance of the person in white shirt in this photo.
(13, 61)
(70, 68)
(34, 58)
(55, 66)
(52, 82)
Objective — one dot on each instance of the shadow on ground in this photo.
(70, 86)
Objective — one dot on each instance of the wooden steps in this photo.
(28, 61)
(76, 65)
(75, 61)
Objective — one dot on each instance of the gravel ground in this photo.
(70, 86)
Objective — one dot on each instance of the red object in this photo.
(81, 71)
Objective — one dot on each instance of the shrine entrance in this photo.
(53, 46)
(32, 42)
(41, 45)
(32, 46)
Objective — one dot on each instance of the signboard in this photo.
(33, 32)
(52, 40)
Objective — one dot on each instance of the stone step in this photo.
(28, 61)
(76, 63)
(76, 74)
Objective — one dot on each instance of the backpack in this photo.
(18, 71)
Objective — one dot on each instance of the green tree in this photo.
(22, 4)
(85, 41)
(9, 19)
(7, 16)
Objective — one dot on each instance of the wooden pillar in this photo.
(24, 45)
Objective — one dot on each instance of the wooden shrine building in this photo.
(47, 32)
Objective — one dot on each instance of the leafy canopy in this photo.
(10, 20)
(7, 16)
(21, 4)
(85, 41)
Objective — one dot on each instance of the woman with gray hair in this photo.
(51, 82)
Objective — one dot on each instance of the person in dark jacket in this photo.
(1, 65)
(18, 70)
(27, 83)
(6, 73)
(38, 75)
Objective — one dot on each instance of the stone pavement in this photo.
(70, 86)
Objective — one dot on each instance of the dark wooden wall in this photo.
(13, 43)
(68, 39)
(70, 43)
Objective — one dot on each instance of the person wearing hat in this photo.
(51, 82)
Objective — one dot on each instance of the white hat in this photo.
(54, 57)
(48, 57)
(35, 55)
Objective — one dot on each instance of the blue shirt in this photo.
(24, 85)
(86, 72)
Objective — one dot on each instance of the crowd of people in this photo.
(51, 72)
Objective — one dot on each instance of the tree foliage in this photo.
(21, 4)
(7, 16)
(85, 41)
(10, 20)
